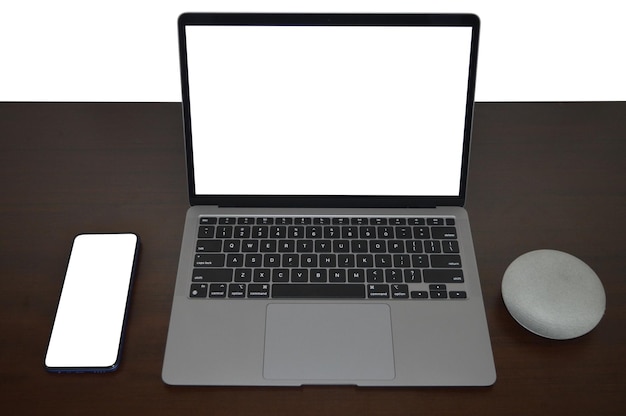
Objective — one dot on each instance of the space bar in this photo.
(318, 291)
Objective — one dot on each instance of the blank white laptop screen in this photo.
(328, 110)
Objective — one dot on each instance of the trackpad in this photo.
(328, 342)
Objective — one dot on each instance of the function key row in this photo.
(327, 220)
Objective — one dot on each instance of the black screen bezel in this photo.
(333, 19)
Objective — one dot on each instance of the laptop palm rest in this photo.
(312, 342)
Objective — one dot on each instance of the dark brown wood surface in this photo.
(542, 175)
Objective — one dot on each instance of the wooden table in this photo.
(542, 175)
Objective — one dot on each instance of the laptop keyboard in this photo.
(410, 258)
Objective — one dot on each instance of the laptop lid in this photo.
(328, 110)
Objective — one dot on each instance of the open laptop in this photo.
(326, 242)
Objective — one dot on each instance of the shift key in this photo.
(221, 275)
(443, 276)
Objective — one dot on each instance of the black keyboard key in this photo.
(378, 291)
(323, 246)
(308, 260)
(419, 294)
(295, 231)
(434, 221)
(261, 275)
(313, 232)
(271, 260)
(445, 261)
(420, 260)
(414, 246)
(438, 294)
(224, 231)
(443, 276)
(359, 246)
(236, 290)
(432, 246)
(260, 231)
(234, 260)
(319, 276)
(280, 275)
(198, 290)
(341, 246)
(250, 246)
(332, 232)
(258, 291)
(364, 260)
(421, 232)
(242, 231)
(400, 291)
(318, 291)
(206, 231)
(287, 246)
(401, 260)
(278, 231)
(220, 275)
(217, 290)
(396, 246)
(304, 246)
(208, 220)
(328, 260)
(268, 246)
(450, 246)
(212, 246)
(349, 232)
(337, 275)
(412, 276)
(299, 275)
(291, 260)
(457, 294)
(393, 276)
(356, 276)
(346, 260)
(375, 275)
(382, 260)
(243, 275)
(403, 233)
(254, 260)
(367, 232)
(209, 260)
(378, 246)
(441, 233)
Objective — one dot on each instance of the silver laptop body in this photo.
(326, 241)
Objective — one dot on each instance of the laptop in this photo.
(326, 242)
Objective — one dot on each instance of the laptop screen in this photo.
(342, 110)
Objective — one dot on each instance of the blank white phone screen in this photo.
(328, 110)
(87, 329)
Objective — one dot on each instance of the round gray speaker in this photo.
(553, 294)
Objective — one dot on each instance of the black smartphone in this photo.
(88, 329)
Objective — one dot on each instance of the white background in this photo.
(126, 50)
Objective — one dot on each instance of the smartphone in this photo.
(88, 329)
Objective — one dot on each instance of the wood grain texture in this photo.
(542, 175)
